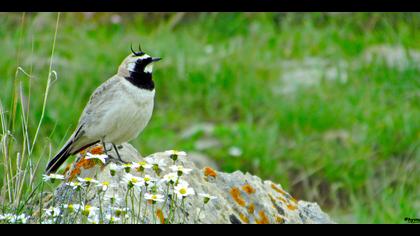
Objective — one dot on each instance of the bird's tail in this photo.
(64, 153)
(75, 144)
(60, 158)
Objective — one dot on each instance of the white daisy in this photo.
(155, 186)
(174, 154)
(23, 218)
(170, 177)
(100, 157)
(182, 182)
(112, 199)
(140, 166)
(53, 211)
(88, 210)
(72, 207)
(183, 190)
(113, 168)
(148, 179)
(88, 180)
(132, 180)
(11, 218)
(180, 169)
(206, 197)
(127, 167)
(112, 219)
(157, 163)
(52, 177)
(104, 186)
(76, 185)
(119, 211)
(48, 222)
(6, 216)
(154, 197)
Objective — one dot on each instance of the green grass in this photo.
(223, 68)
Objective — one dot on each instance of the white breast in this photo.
(128, 113)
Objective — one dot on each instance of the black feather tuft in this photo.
(140, 53)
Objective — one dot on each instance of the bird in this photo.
(117, 111)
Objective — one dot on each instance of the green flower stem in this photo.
(140, 199)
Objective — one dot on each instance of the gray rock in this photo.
(201, 160)
(240, 197)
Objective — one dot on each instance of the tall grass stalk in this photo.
(20, 169)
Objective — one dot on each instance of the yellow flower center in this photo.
(183, 191)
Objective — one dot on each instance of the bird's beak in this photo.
(156, 59)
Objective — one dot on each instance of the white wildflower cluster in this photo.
(9, 218)
(145, 177)
(69, 213)
(148, 190)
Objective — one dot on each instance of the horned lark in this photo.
(117, 111)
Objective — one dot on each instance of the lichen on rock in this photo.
(238, 197)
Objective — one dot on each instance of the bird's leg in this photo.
(103, 144)
(118, 154)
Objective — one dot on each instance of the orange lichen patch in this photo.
(292, 207)
(97, 150)
(160, 216)
(244, 218)
(85, 164)
(277, 189)
(251, 208)
(248, 189)
(263, 218)
(279, 220)
(75, 172)
(209, 172)
(236, 195)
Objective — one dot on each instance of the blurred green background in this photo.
(326, 104)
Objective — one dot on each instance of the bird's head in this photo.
(137, 68)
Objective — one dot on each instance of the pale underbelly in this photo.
(123, 123)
